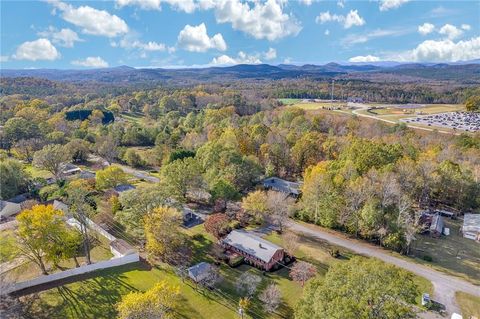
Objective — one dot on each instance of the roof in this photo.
(121, 246)
(123, 188)
(70, 168)
(251, 244)
(60, 206)
(471, 223)
(282, 185)
(8, 208)
(199, 270)
(437, 223)
(87, 174)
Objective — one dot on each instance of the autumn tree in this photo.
(472, 104)
(25, 148)
(78, 150)
(217, 225)
(271, 298)
(41, 232)
(181, 176)
(224, 190)
(165, 241)
(110, 177)
(158, 302)
(290, 242)
(302, 271)
(51, 158)
(255, 203)
(360, 288)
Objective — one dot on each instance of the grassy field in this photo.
(290, 101)
(310, 106)
(469, 305)
(452, 254)
(36, 172)
(8, 250)
(106, 288)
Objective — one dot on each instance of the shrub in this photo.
(428, 258)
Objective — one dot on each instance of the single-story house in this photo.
(281, 185)
(256, 251)
(199, 272)
(436, 228)
(471, 226)
(69, 169)
(8, 209)
(120, 248)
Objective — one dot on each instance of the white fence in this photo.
(128, 259)
(74, 223)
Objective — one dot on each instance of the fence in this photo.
(128, 259)
(73, 222)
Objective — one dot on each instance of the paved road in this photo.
(364, 107)
(445, 286)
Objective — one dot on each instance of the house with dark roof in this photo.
(199, 272)
(436, 227)
(256, 250)
(281, 185)
(123, 188)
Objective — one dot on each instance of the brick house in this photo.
(256, 251)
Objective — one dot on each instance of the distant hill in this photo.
(463, 73)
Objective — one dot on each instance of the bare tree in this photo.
(280, 208)
(247, 284)
(302, 271)
(212, 278)
(290, 242)
(271, 298)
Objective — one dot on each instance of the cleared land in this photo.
(452, 254)
(470, 305)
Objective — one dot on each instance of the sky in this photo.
(195, 33)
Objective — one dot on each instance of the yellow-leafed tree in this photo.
(159, 302)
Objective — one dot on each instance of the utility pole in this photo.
(333, 84)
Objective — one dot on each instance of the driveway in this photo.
(445, 286)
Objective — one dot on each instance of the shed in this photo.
(70, 169)
(199, 272)
(471, 226)
(436, 228)
(120, 248)
(8, 209)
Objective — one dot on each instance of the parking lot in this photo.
(465, 121)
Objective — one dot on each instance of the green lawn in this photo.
(8, 249)
(37, 172)
(469, 305)
(96, 297)
(452, 254)
(289, 101)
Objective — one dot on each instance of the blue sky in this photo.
(168, 33)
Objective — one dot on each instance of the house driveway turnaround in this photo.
(445, 285)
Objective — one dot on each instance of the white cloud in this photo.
(91, 20)
(352, 19)
(386, 5)
(364, 58)
(426, 28)
(327, 32)
(41, 49)
(196, 39)
(262, 20)
(466, 27)
(4, 58)
(270, 54)
(356, 38)
(441, 51)
(306, 2)
(450, 31)
(341, 3)
(187, 6)
(241, 58)
(91, 62)
(64, 37)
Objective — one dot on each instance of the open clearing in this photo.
(470, 305)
